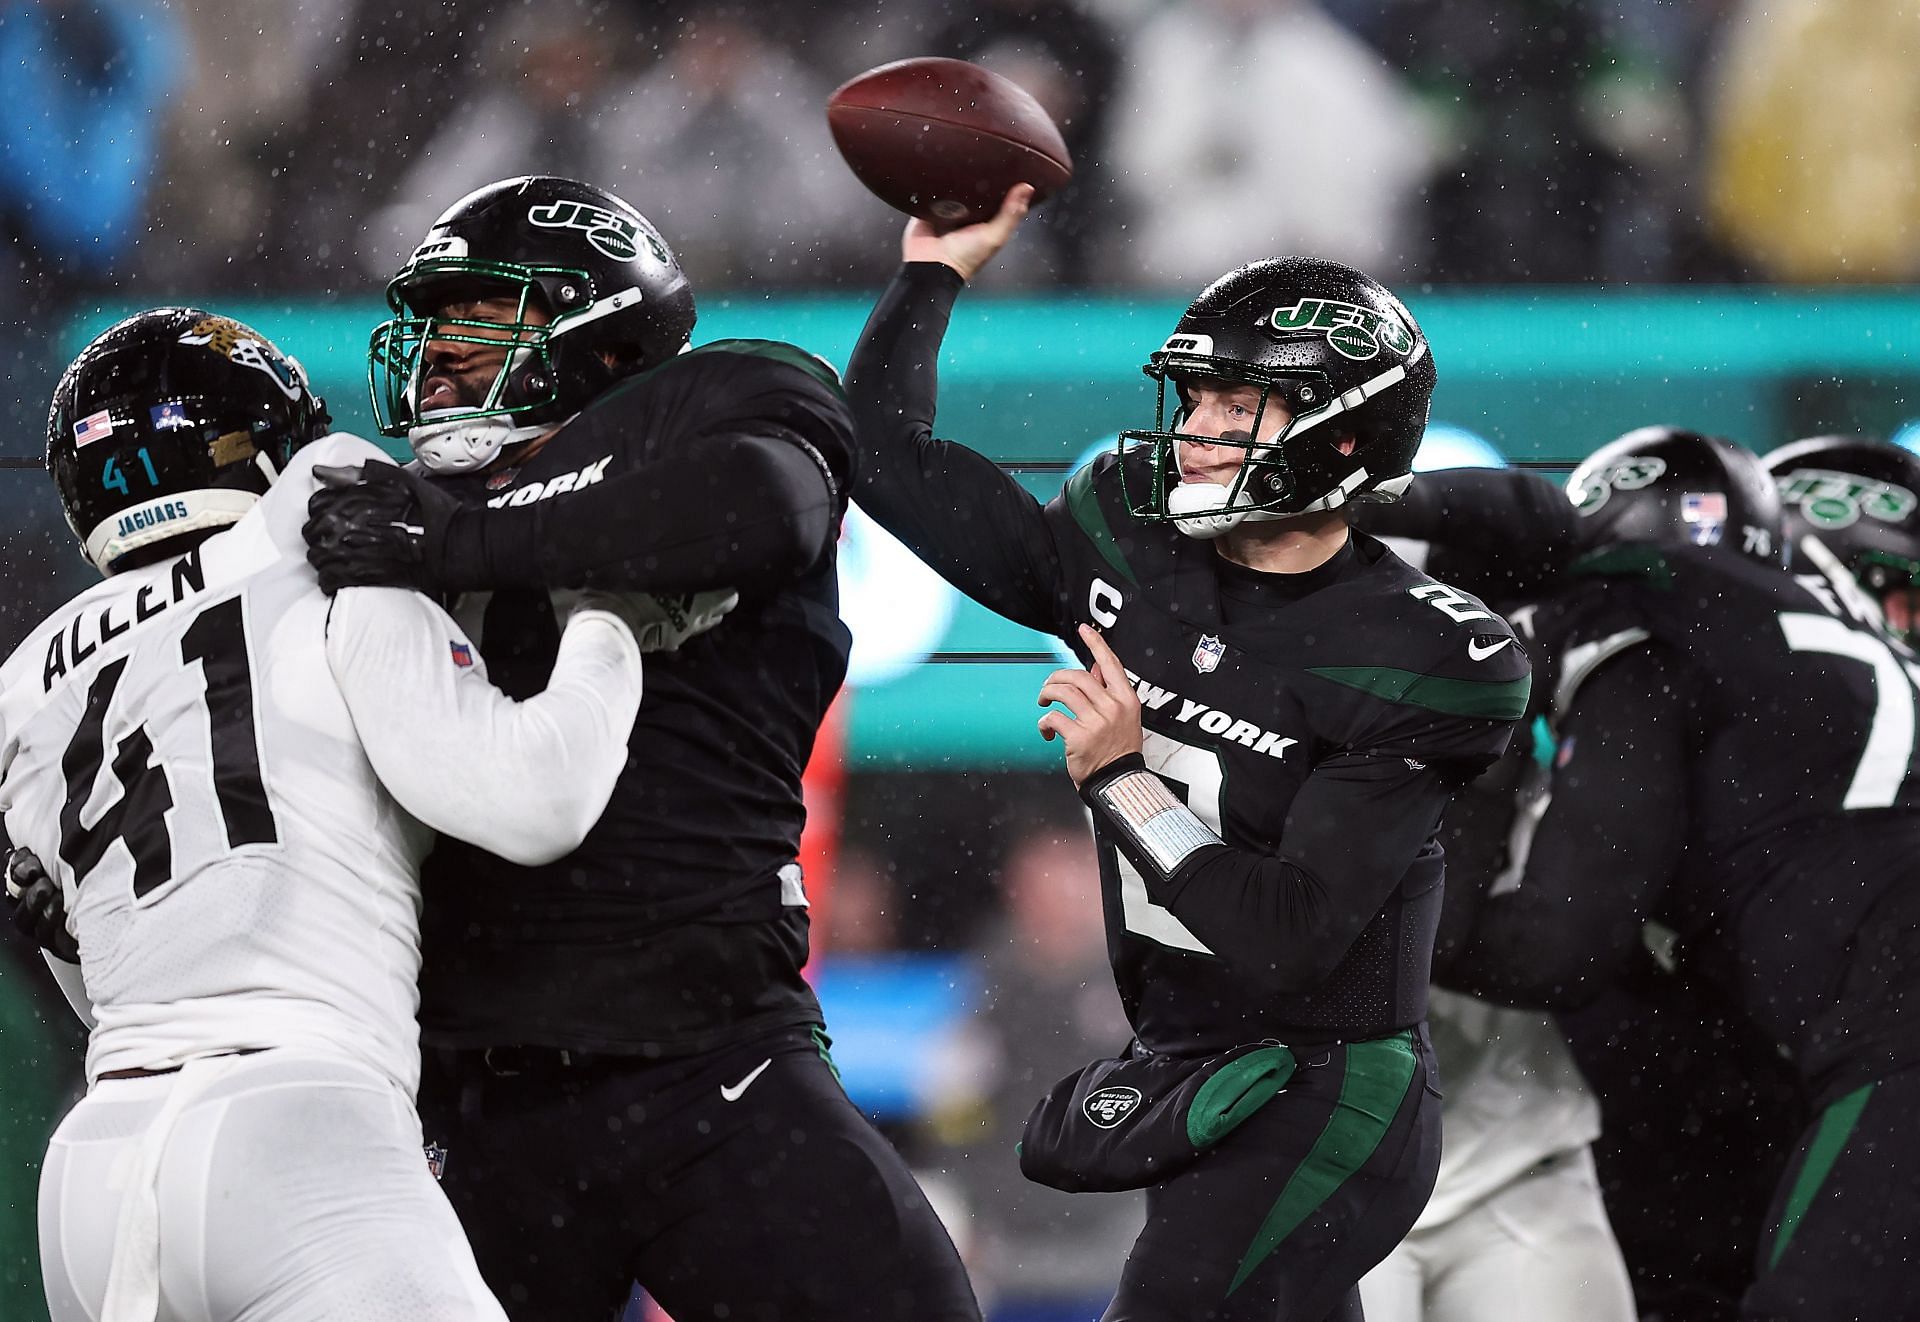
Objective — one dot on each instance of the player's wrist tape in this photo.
(1151, 826)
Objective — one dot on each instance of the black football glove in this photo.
(377, 525)
(39, 910)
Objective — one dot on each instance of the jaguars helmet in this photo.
(170, 424)
(1669, 486)
(1861, 498)
(1328, 344)
(591, 278)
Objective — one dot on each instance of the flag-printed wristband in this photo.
(1153, 828)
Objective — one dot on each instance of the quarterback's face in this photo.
(462, 362)
(1224, 409)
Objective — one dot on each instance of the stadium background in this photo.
(1603, 214)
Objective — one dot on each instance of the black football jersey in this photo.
(1241, 699)
(679, 920)
(1796, 890)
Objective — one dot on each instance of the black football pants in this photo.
(741, 1184)
(1843, 1234)
(1282, 1219)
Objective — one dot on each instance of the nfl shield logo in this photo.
(436, 1160)
(1705, 513)
(462, 654)
(169, 417)
(503, 479)
(1207, 653)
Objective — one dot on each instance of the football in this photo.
(944, 139)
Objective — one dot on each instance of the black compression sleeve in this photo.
(1609, 842)
(1512, 531)
(973, 523)
(1285, 922)
(740, 512)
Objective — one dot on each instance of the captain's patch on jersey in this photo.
(1207, 653)
(462, 654)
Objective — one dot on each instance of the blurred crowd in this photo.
(246, 146)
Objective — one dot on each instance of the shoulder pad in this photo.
(777, 351)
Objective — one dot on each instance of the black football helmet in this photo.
(1861, 498)
(1668, 486)
(599, 277)
(171, 423)
(1338, 351)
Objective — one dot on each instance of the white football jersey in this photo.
(236, 793)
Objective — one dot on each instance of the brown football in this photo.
(944, 139)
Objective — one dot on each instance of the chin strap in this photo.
(463, 444)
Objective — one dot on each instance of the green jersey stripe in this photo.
(1084, 504)
(1502, 700)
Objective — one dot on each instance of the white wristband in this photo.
(1163, 830)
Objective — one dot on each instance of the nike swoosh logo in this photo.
(733, 1094)
(1479, 653)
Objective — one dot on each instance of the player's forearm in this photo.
(1514, 527)
(978, 527)
(1284, 922)
(556, 756)
(893, 378)
(524, 780)
(728, 512)
(1613, 833)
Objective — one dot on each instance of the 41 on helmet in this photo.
(172, 422)
(597, 295)
(1329, 345)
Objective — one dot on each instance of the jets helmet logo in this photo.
(1356, 332)
(1592, 489)
(1837, 500)
(611, 234)
(1108, 1107)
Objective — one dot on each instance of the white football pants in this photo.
(283, 1185)
(1537, 1250)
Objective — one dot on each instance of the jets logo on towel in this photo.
(1108, 1107)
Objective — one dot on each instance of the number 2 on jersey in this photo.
(218, 641)
(1200, 771)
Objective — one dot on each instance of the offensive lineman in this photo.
(632, 1077)
(232, 782)
(1734, 758)
(1309, 704)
